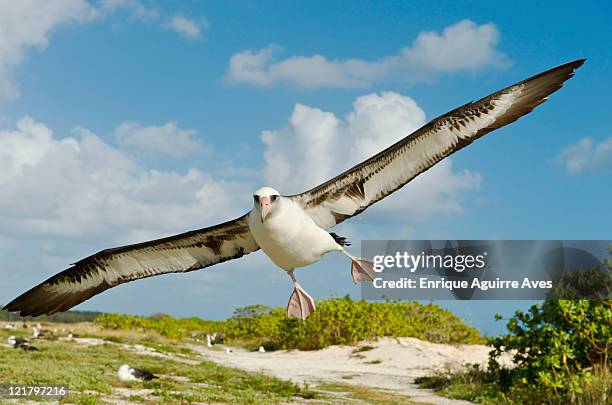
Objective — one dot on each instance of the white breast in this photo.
(125, 373)
(290, 237)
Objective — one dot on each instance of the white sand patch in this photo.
(91, 341)
(392, 365)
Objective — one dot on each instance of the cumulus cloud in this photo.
(63, 188)
(27, 24)
(586, 155)
(464, 46)
(167, 139)
(187, 28)
(316, 145)
(67, 188)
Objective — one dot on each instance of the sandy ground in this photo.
(392, 365)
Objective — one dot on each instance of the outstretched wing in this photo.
(372, 180)
(176, 254)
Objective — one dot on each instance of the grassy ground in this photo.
(90, 373)
(352, 392)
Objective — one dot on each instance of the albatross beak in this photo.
(265, 207)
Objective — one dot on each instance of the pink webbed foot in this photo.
(300, 304)
(362, 269)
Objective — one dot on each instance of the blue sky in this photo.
(123, 120)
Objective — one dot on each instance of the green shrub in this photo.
(561, 350)
(337, 321)
(556, 345)
(342, 321)
(166, 325)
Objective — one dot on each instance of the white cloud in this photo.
(65, 188)
(585, 155)
(80, 188)
(26, 24)
(167, 139)
(316, 145)
(187, 28)
(135, 7)
(464, 46)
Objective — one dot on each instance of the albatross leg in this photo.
(300, 303)
(361, 269)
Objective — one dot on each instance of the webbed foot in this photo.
(300, 304)
(362, 269)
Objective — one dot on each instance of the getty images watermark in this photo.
(478, 270)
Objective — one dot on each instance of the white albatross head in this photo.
(264, 201)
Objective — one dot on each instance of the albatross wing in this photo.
(176, 254)
(353, 191)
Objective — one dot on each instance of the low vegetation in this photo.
(561, 350)
(360, 394)
(63, 317)
(90, 372)
(338, 321)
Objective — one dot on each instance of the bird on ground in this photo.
(13, 340)
(261, 349)
(39, 333)
(127, 373)
(21, 343)
(293, 231)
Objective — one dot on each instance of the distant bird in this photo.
(12, 340)
(293, 230)
(261, 349)
(21, 343)
(228, 351)
(10, 326)
(38, 333)
(128, 373)
(209, 341)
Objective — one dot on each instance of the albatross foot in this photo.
(300, 304)
(362, 269)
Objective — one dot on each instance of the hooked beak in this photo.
(266, 207)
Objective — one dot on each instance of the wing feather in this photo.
(111, 267)
(353, 191)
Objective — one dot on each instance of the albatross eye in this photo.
(274, 198)
(256, 198)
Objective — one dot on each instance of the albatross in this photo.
(293, 230)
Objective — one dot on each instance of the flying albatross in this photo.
(293, 230)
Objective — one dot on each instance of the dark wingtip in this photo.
(14, 306)
(575, 64)
(11, 307)
(27, 304)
